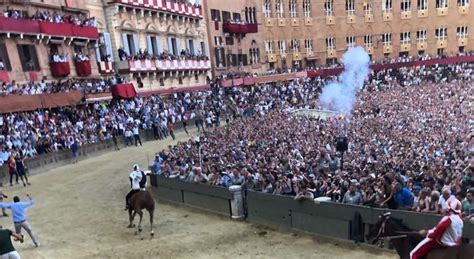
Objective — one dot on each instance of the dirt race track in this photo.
(79, 214)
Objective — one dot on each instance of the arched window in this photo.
(279, 9)
(247, 19)
(267, 9)
(254, 15)
(307, 8)
(292, 7)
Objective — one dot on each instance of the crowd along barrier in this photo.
(329, 219)
(206, 197)
(45, 162)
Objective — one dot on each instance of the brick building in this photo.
(238, 36)
(158, 26)
(234, 38)
(27, 45)
(174, 27)
(305, 33)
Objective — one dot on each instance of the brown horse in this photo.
(139, 201)
(404, 240)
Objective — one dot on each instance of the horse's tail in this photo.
(150, 202)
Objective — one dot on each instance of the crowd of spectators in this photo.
(54, 17)
(185, 54)
(59, 58)
(44, 87)
(236, 21)
(410, 145)
(81, 57)
(48, 131)
(196, 4)
(389, 60)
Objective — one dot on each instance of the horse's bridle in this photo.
(382, 230)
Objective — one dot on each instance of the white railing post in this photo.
(236, 204)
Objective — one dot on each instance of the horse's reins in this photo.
(382, 231)
(394, 237)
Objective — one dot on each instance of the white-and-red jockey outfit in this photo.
(448, 232)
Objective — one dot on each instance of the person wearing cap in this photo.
(447, 233)
(19, 216)
(136, 184)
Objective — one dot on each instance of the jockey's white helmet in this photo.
(455, 206)
(136, 167)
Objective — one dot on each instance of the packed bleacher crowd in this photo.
(45, 87)
(410, 144)
(55, 17)
(185, 54)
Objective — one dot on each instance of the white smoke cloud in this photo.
(341, 95)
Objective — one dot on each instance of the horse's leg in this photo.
(130, 218)
(152, 233)
(140, 213)
(133, 217)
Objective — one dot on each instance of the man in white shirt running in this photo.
(136, 183)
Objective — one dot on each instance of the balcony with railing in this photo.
(83, 68)
(19, 26)
(105, 67)
(150, 65)
(240, 28)
(4, 77)
(184, 9)
(33, 27)
(60, 69)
